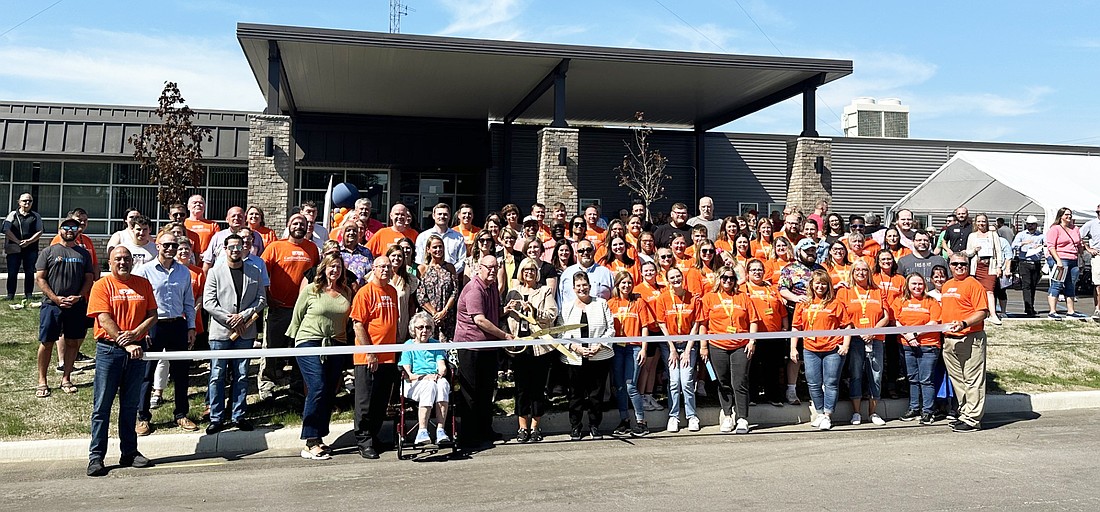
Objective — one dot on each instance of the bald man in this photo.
(235, 218)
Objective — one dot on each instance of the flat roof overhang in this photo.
(370, 73)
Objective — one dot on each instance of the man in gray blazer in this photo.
(234, 297)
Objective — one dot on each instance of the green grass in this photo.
(1032, 357)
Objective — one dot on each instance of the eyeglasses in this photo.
(959, 264)
(176, 214)
(170, 245)
(490, 267)
(485, 240)
(422, 327)
(26, 200)
(70, 228)
(754, 270)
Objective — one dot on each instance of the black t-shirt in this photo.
(238, 283)
(666, 232)
(65, 269)
(956, 235)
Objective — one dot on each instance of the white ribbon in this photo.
(468, 345)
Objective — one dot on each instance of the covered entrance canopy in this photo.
(1010, 183)
(367, 73)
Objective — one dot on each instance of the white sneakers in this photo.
(727, 424)
(693, 424)
(826, 423)
(673, 425)
(877, 420)
(742, 426)
(817, 420)
(857, 419)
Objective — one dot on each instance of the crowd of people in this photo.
(367, 283)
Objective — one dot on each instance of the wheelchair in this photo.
(403, 409)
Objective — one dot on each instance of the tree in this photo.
(643, 169)
(170, 151)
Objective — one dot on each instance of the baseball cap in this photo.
(1031, 219)
(804, 244)
(68, 220)
(530, 219)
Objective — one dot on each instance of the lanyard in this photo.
(678, 307)
(814, 309)
(764, 291)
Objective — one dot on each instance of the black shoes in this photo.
(927, 419)
(368, 453)
(523, 435)
(245, 426)
(95, 468)
(215, 427)
(622, 429)
(575, 434)
(596, 435)
(136, 460)
(536, 435)
(910, 415)
(640, 429)
(962, 426)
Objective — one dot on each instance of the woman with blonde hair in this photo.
(867, 307)
(823, 356)
(529, 299)
(727, 310)
(320, 319)
(922, 351)
(984, 248)
(632, 319)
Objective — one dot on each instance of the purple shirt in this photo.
(476, 299)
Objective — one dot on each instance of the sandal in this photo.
(68, 387)
(42, 391)
(315, 453)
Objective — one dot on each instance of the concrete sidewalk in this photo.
(287, 438)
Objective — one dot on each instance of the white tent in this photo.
(1010, 183)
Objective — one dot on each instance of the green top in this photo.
(319, 316)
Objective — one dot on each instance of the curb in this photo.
(287, 438)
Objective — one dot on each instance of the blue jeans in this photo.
(1068, 286)
(624, 371)
(322, 379)
(115, 373)
(681, 381)
(823, 370)
(862, 364)
(236, 371)
(921, 364)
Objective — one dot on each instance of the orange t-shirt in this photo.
(898, 253)
(723, 245)
(649, 294)
(86, 243)
(684, 263)
(870, 248)
(864, 307)
(128, 302)
(728, 314)
(769, 305)
(891, 286)
(700, 280)
(762, 249)
(204, 229)
(601, 251)
(773, 269)
(386, 237)
(962, 299)
(198, 282)
(816, 315)
(594, 234)
(267, 234)
(915, 312)
(839, 273)
(634, 270)
(793, 237)
(630, 316)
(375, 306)
(676, 314)
(287, 263)
(467, 234)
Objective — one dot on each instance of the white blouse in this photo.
(600, 325)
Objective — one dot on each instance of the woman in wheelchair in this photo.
(425, 380)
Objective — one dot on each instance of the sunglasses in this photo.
(665, 256)
(485, 240)
(70, 228)
(585, 250)
(706, 251)
(728, 278)
(857, 226)
(234, 247)
(959, 264)
(170, 245)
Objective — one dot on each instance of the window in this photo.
(744, 208)
(371, 183)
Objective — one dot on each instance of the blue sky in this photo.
(998, 71)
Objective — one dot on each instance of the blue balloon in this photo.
(344, 195)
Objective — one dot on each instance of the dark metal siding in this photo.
(602, 150)
(90, 130)
(870, 176)
(745, 170)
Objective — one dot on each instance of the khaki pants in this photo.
(965, 361)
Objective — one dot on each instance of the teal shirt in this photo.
(423, 362)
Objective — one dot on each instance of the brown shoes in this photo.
(186, 424)
(143, 428)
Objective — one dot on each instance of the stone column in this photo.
(271, 178)
(806, 187)
(558, 182)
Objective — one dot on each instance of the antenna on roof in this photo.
(397, 10)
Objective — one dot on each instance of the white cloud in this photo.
(97, 66)
(483, 18)
(707, 37)
(988, 104)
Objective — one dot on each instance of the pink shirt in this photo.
(1064, 241)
